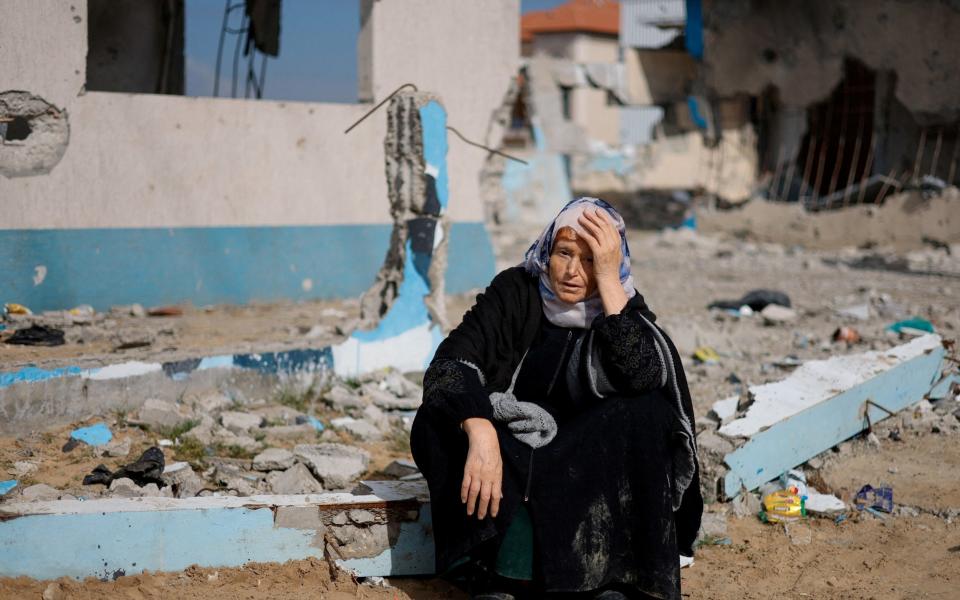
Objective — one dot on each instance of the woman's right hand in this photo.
(483, 471)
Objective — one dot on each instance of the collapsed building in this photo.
(661, 101)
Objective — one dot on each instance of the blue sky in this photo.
(318, 49)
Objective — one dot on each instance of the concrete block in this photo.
(300, 517)
(400, 468)
(337, 465)
(358, 428)
(273, 459)
(387, 401)
(126, 488)
(290, 432)
(362, 517)
(40, 492)
(240, 422)
(158, 414)
(296, 480)
(342, 398)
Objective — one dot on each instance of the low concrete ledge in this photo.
(385, 531)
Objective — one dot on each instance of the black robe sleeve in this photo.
(480, 354)
(627, 349)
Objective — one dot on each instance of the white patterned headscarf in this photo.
(537, 262)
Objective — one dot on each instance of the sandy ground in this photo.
(914, 553)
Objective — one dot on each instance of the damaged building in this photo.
(655, 104)
(107, 171)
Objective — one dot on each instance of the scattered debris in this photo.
(846, 334)
(822, 403)
(94, 435)
(165, 311)
(914, 326)
(860, 312)
(6, 486)
(706, 355)
(146, 469)
(37, 335)
(879, 498)
(775, 314)
(273, 459)
(336, 465)
(782, 506)
(12, 308)
(757, 300)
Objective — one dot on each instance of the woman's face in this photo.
(571, 267)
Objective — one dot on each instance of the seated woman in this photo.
(556, 433)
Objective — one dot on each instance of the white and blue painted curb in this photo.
(107, 538)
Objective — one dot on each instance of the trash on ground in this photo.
(912, 326)
(823, 504)
(774, 314)
(145, 470)
(757, 300)
(782, 507)
(165, 311)
(860, 312)
(12, 308)
(685, 561)
(37, 335)
(94, 435)
(846, 334)
(6, 486)
(706, 355)
(874, 498)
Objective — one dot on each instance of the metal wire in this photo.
(497, 152)
(377, 107)
(459, 135)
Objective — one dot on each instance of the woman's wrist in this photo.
(611, 295)
(477, 426)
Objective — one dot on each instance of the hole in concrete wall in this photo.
(837, 146)
(18, 128)
(40, 131)
(770, 55)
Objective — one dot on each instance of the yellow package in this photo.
(783, 506)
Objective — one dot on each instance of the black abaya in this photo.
(601, 494)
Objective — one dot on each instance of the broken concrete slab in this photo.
(160, 414)
(823, 403)
(125, 487)
(342, 398)
(400, 468)
(40, 492)
(240, 422)
(774, 314)
(273, 459)
(386, 400)
(358, 428)
(182, 481)
(47, 540)
(296, 480)
(337, 465)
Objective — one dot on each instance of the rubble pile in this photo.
(303, 443)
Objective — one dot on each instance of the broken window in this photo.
(565, 101)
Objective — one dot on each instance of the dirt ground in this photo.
(913, 553)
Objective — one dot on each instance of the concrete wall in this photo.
(462, 50)
(800, 46)
(658, 76)
(219, 193)
(598, 120)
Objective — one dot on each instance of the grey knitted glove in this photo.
(527, 421)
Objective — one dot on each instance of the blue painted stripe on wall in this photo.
(209, 265)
